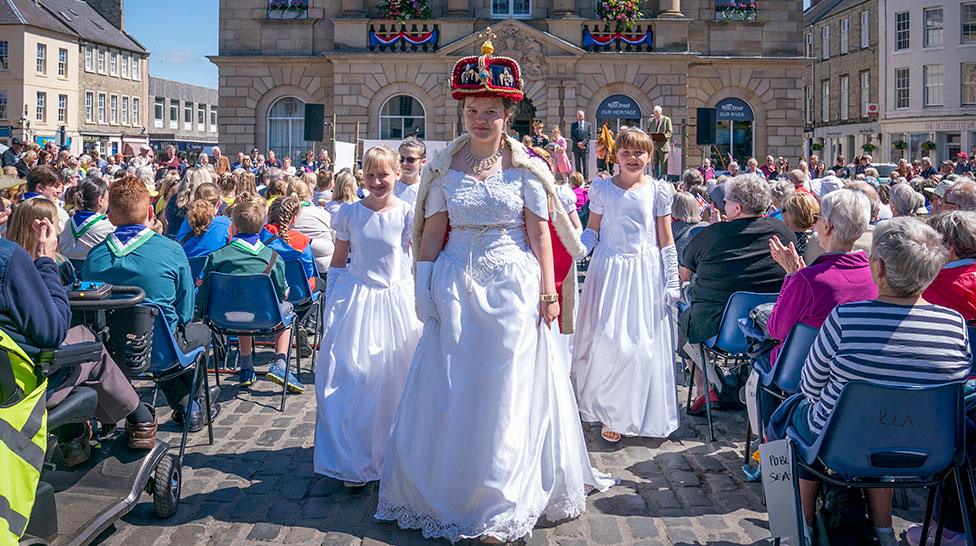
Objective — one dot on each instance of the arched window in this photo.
(286, 123)
(402, 116)
(618, 111)
(734, 131)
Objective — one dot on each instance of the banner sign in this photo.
(733, 109)
(618, 107)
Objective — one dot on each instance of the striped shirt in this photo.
(884, 344)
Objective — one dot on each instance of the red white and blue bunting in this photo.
(390, 39)
(606, 40)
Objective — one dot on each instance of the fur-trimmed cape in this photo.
(566, 246)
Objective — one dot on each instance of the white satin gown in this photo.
(623, 357)
(371, 331)
(487, 438)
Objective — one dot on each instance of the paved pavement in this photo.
(255, 485)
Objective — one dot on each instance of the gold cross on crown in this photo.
(488, 35)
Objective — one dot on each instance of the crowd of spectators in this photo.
(836, 243)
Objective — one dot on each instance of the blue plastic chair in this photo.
(248, 305)
(729, 344)
(784, 378)
(898, 437)
(971, 331)
(197, 263)
(168, 361)
(307, 304)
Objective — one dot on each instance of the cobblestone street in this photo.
(255, 486)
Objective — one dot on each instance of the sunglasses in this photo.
(410, 160)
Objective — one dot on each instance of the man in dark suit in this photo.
(581, 133)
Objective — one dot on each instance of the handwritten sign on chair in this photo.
(782, 493)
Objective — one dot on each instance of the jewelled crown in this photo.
(487, 75)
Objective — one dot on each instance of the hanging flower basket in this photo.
(735, 10)
(928, 145)
(816, 146)
(404, 10)
(287, 9)
(621, 15)
(868, 148)
(900, 145)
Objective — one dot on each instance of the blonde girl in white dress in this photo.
(623, 361)
(487, 437)
(370, 328)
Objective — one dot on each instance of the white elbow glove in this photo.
(589, 238)
(672, 283)
(330, 280)
(423, 294)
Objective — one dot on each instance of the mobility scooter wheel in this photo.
(167, 483)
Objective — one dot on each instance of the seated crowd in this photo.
(884, 269)
(139, 222)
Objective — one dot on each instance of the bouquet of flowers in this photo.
(403, 10)
(736, 10)
(622, 15)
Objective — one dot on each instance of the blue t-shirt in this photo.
(216, 237)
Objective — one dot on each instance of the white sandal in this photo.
(609, 435)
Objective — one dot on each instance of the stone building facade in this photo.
(928, 72)
(114, 81)
(841, 91)
(48, 54)
(181, 115)
(380, 80)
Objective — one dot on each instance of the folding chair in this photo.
(197, 264)
(247, 305)
(892, 437)
(784, 377)
(307, 304)
(142, 345)
(730, 344)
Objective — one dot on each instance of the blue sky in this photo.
(179, 35)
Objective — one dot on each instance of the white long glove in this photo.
(672, 282)
(422, 292)
(589, 238)
(330, 280)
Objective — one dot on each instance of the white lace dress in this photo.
(487, 436)
(370, 333)
(623, 362)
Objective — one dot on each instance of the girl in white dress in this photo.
(487, 437)
(623, 362)
(370, 328)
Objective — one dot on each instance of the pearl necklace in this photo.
(481, 165)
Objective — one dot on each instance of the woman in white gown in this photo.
(370, 328)
(487, 437)
(623, 361)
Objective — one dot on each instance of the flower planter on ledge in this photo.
(287, 9)
(404, 37)
(735, 11)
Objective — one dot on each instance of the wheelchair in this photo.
(75, 505)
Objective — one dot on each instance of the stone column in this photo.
(353, 8)
(563, 8)
(671, 8)
(459, 8)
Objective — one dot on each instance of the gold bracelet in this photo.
(549, 298)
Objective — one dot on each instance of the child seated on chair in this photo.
(247, 255)
(135, 255)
